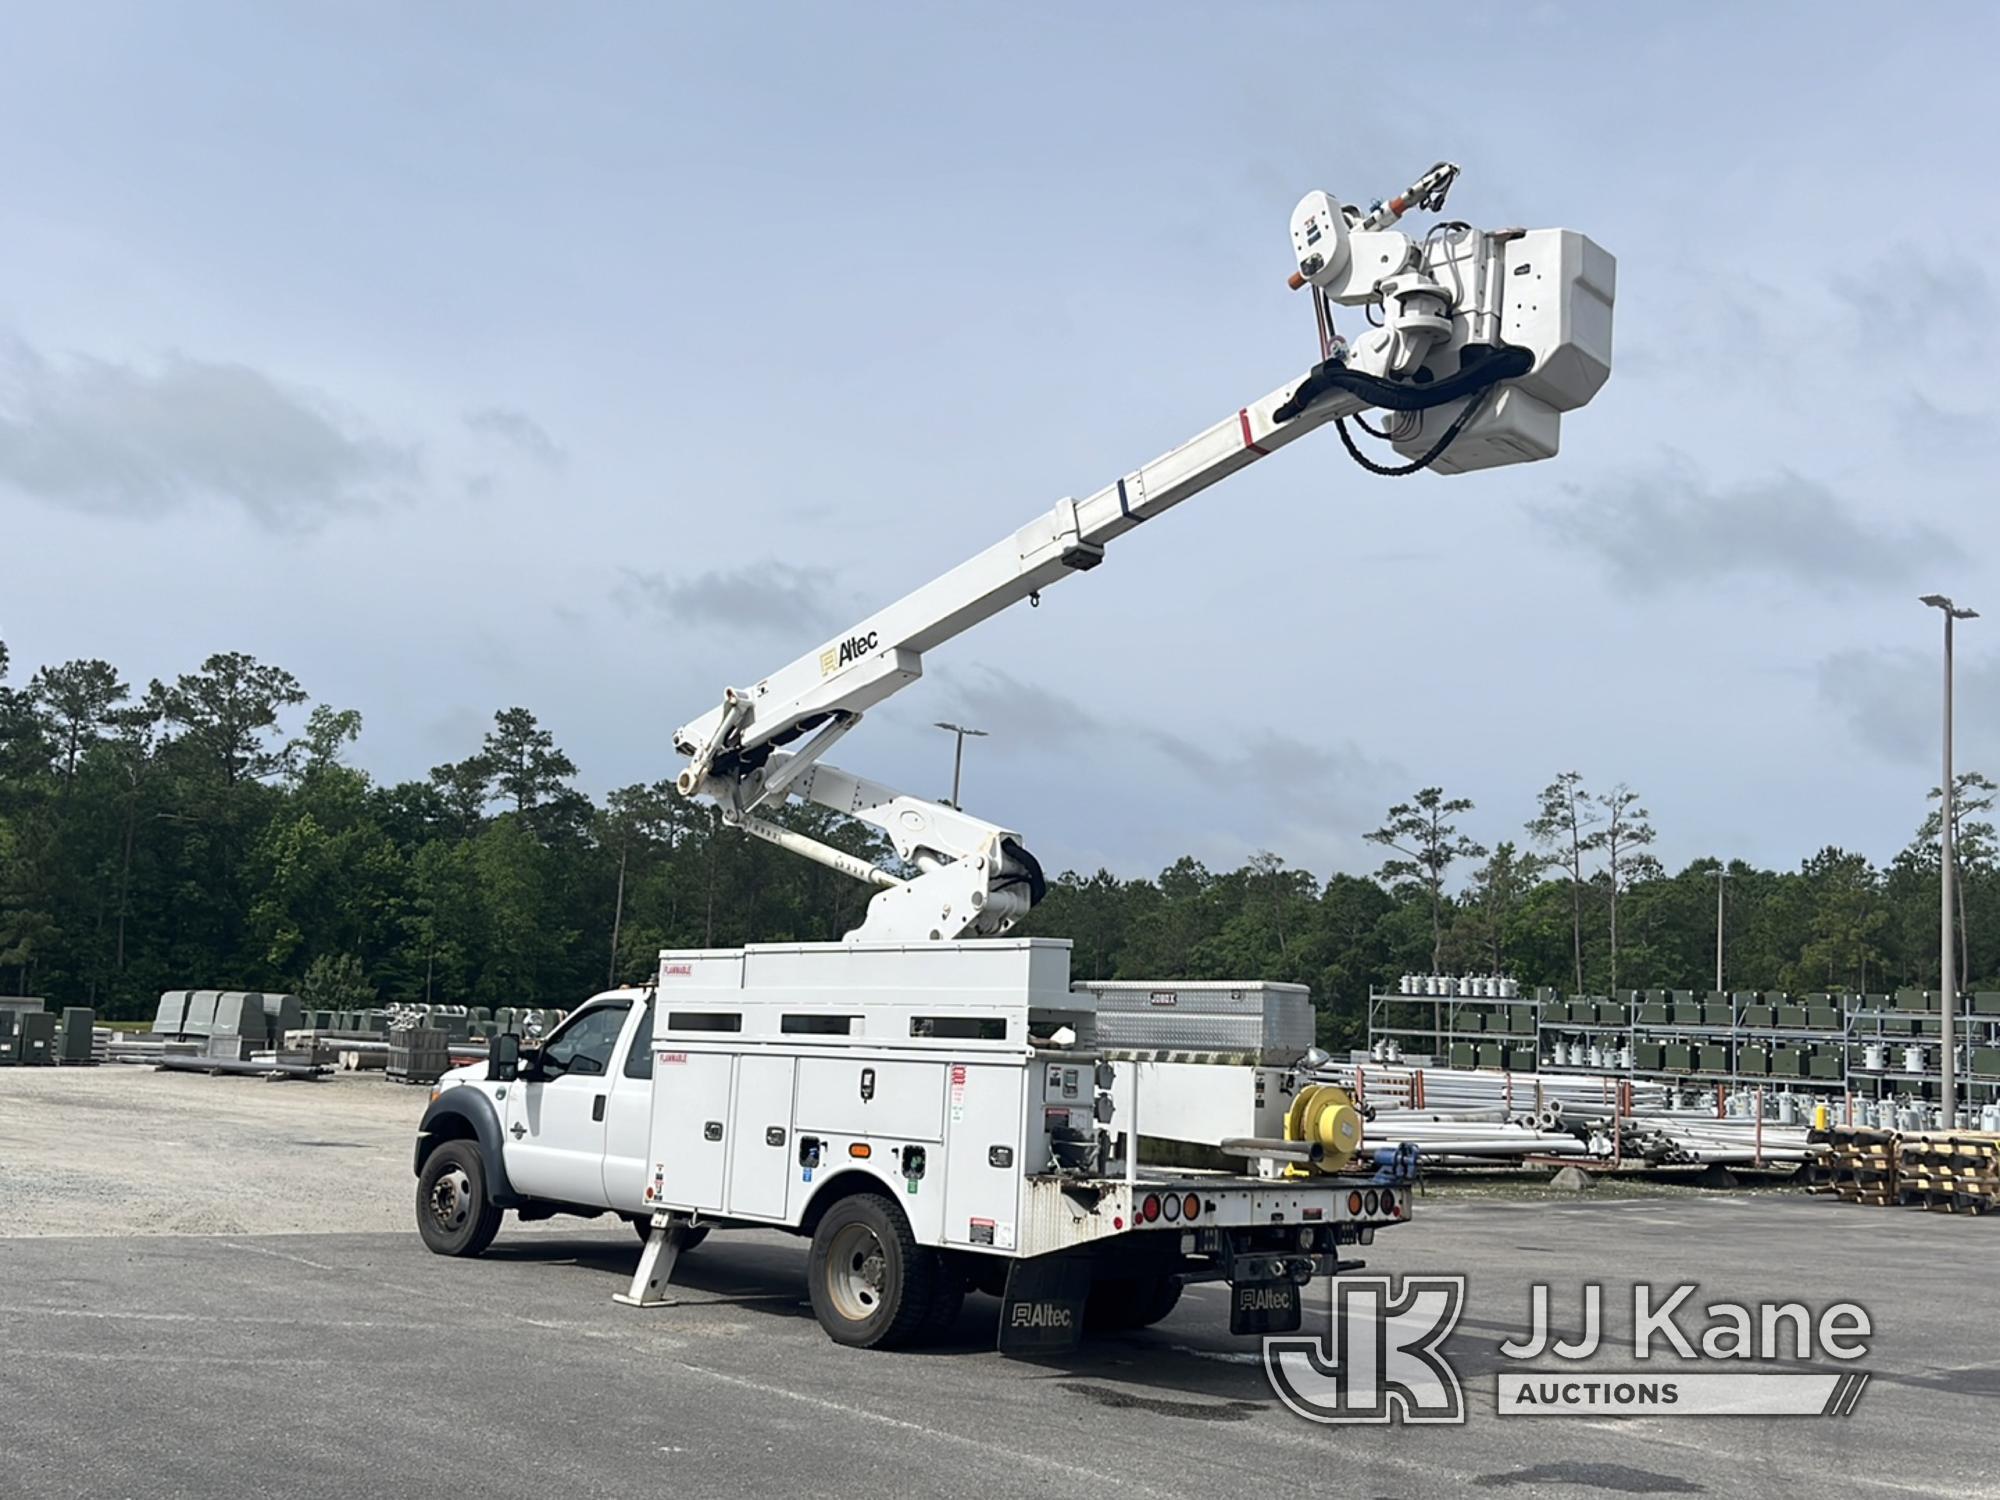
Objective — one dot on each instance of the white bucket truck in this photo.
(936, 1118)
(929, 1099)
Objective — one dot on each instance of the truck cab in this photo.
(562, 1130)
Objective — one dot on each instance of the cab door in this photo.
(556, 1112)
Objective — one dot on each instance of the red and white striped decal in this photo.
(1243, 416)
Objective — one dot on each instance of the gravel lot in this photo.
(210, 1288)
(129, 1150)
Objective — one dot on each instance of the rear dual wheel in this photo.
(1130, 1301)
(872, 1285)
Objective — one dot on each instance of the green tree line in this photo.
(180, 835)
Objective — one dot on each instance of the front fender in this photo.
(467, 1113)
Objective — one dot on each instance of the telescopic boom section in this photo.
(1481, 340)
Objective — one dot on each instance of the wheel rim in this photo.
(451, 1200)
(856, 1267)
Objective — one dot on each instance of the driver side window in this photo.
(584, 1045)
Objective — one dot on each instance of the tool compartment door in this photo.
(855, 1097)
(691, 1130)
(760, 1164)
(983, 1147)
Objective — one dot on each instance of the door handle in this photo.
(519, 1130)
(597, 1108)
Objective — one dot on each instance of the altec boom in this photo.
(1477, 342)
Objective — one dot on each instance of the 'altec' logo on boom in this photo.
(846, 654)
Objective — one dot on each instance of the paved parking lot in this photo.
(241, 1363)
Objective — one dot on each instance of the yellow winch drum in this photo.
(1324, 1115)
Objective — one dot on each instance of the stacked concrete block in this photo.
(170, 1018)
(37, 1039)
(282, 1013)
(78, 1038)
(418, 1054)
(241, 1014)
(200, 1018)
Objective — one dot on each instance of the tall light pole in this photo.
(1721, 874)
(958, 755)
(1948, 957)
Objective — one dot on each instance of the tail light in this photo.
(1354, 1204)
(1171, 1207)
(1192, 1208)
(1371, 1202)
(1150, 1209)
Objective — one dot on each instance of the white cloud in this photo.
(113, 439)
(768, 596)
(1892, 702)
(520, 430)
(1657, 532)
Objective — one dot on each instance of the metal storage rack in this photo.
(1461, 1019)
(1733, 1025)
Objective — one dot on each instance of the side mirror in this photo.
(503, 1059)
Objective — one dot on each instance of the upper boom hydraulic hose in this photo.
(1474, 374)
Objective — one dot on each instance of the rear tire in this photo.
(873, 1286)
(947, 1302)
(1125, 1302)
(454, 1214)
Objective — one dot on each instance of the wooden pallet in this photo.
(1950, 1203)
(1950, 1171)
(1858, 1165)
(1882, 1197)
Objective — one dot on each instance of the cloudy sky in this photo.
(590, 358)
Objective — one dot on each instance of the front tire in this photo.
(454, 1214)
(872, 1284)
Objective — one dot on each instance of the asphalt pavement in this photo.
(343, 1364)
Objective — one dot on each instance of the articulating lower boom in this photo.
(1478, 341)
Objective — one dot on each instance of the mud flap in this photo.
(1041, 1311)
(1264, 1307)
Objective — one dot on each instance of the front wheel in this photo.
(454, 1215)
(872, 1284)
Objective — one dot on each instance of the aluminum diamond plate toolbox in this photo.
(1215, 1021)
